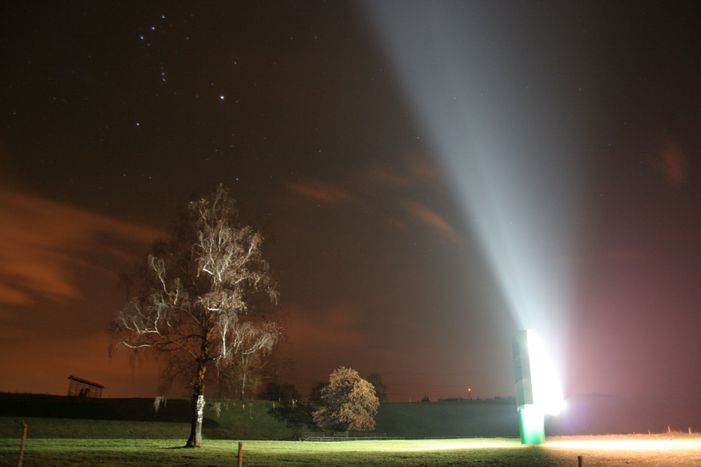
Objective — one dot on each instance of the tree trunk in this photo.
(243, 385)
(244, 373)
(197, 406)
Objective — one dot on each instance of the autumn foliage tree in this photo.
(194, 293)
(348, 402)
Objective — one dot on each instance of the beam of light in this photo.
(501, 138)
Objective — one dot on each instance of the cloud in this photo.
(42, 242)
(320, 192)
(673, 164)
(424, 170)
(12, 296)
(411, 173)
(426, 216)
(382, 189)
(42, 366)
(380, 176)
(336, 328)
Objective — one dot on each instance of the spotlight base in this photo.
(531, 421)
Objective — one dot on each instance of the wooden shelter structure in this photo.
(79, 387)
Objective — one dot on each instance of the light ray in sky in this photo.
(501, 136)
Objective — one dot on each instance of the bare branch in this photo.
(193, 294)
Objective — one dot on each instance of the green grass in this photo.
(88, 418)
(10, 427)
(126, 432)
(249, 420)
(234, 418)
(73, 452)
(475, 451)
(448, 419)
(245, 419)
(682, 451)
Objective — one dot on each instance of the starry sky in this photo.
(113, 116)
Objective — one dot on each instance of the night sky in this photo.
(111, 117)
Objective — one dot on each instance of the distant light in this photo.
(222, 97)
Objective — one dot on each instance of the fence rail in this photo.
(343, 436)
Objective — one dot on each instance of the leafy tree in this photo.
(348, 402)
(194, 295)
(315, 394)
(281, 392)
(380, 389)
(288, 407)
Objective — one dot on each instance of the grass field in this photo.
(246, 419)
(127, 432)
(630, 450)
(64, 417)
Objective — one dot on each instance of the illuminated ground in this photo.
(656, 450)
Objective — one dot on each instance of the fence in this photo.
(343, 436)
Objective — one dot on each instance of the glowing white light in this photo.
(628, 444)
(547, 393)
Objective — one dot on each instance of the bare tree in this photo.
(237, 376)
(194, 295)
(248, 357)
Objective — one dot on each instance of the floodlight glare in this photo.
(538, 389)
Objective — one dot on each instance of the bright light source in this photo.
(537, 386)
(627, 444)
(532, 424)
(547, 393)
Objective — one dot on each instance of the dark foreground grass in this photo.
(66, 417)
(11, 427)
(74, 452)
(481, 452)
(228, 419)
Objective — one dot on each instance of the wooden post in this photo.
(25, 427)
(239, 458)
(579, 461)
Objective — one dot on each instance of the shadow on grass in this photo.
(545, 457)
